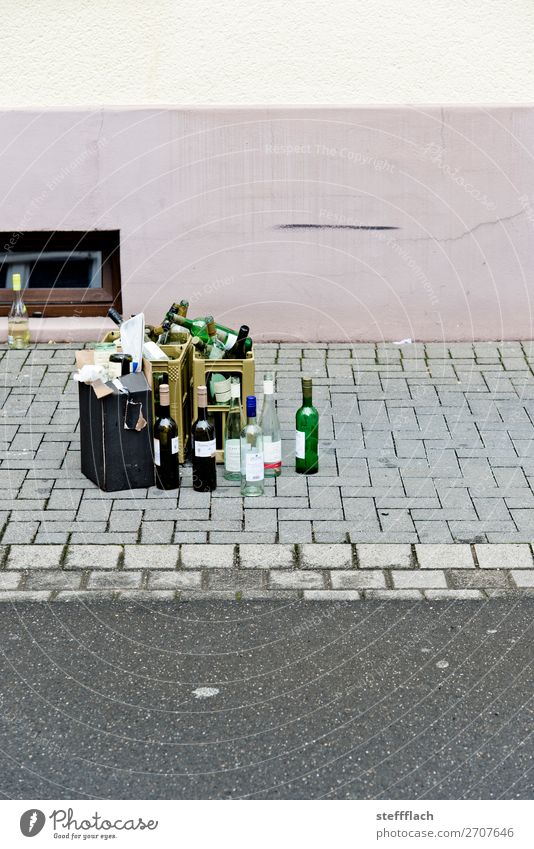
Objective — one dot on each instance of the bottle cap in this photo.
(198, 342)
(243, 331)
(235, 389)
(210, 323)
(251, 406)
(164, 394)
(202, 396)
(306, 384)
(16, 282)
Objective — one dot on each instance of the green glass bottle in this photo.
(307, 433)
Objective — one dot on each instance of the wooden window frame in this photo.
(68, 302)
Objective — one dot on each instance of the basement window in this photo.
(62, 273)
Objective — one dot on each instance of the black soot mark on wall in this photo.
(333, 227)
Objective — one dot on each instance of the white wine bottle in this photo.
(18, 325)
(252, 470)
(270, 426)
(232, 435)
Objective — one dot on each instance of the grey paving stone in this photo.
(428, 579)
(326, 556)
(464, 579)
(373, 556)
(114, 580)
(444, 556)
(151, 556)
(20, 532)
(297, 579)
(358, 580)
(14, 596)
(207, 556)
(504, 556)
(523, 578)
(293, 532)
(157, 532)
(93, 556)
(10, 580)
(266, 556)
(236, 579)
(53, 580)
(35, 557)
(393, 595)
(331, 595)
(453, 595)
(175, 580)
(198, 537)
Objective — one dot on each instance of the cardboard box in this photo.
(116, 431)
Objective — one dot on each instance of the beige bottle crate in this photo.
(243, 369)
(177, 369)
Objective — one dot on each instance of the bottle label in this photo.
(114, 370)
(232, 459)
(157, 453)
(300, 445)
(230, 341)
(205, 449)
(175, 445)
(254, 470)
(272, 454)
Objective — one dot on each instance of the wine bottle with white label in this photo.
(307, 433)
(232, 435)
(204, 447)
(252, 468)
(270, 425)
(166, 444)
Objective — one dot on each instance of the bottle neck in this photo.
(307, 398)
(164, 411)
(251, 420)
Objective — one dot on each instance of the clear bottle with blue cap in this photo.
(252, 458)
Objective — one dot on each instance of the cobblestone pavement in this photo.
(420, 445)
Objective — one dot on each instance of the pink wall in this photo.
(203, 197)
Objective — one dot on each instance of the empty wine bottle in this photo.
(204, 447)
(237, 351)
(232, 435)
(270, 425)
(215, 349)
(196, 326)
(307, 433)
(252, 461)
(166, 445)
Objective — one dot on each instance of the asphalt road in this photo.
(267, 700)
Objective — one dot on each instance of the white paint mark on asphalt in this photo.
(491, 631)
(205, 692)
(442, 664)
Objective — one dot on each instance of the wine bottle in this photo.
(238, 352)
(204, 447)
(151, 351)
(196, 326)
(200, 345)
(215, 349)
(252, 462)
(18, 325)
(166, 445)
(232, 435)
(307, 433)
(270, 426)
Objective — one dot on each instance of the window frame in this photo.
(93, 301)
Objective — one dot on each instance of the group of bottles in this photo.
(212, 340)
(252, 450)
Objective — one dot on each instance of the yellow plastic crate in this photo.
(243, 369)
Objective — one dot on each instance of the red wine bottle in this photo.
(166, 444)
(204, 447)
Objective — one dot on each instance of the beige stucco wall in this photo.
(91, 52)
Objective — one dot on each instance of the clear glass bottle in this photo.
(252, 468)
(215, 348)
(18, 325)
(232, 435)
(307, 433)
(270, 426)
